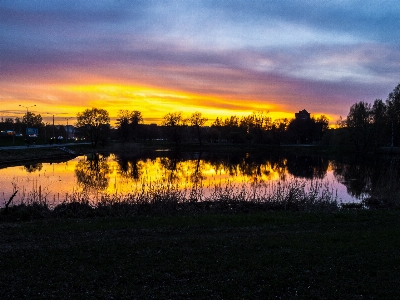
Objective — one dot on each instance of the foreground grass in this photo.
(284, 255)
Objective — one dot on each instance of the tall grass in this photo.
(169, 198)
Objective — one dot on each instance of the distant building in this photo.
(70, 130)
(302, 115)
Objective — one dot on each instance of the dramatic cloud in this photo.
(219, 57)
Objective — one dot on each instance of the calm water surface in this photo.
(97, 175)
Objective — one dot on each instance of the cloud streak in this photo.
(228, 57)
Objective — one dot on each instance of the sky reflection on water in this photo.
(97, 175)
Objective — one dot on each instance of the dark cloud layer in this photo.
(324, 55)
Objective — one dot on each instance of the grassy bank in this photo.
(15, 156)
(32, 153)
(284, 255)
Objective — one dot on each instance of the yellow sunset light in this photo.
(155, 103)
(66, 100)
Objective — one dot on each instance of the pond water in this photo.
(113, 174)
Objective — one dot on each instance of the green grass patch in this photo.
(346, 255)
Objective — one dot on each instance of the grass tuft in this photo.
(169, 199)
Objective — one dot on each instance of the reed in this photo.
(169, 198)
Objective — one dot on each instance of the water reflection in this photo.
(363, 176)
(173, 169)
(197, 167)
(359, 176)
(194, 168)
(129, 167)
(200, 172)
(305, 166)
(92, 172)
(31, 168)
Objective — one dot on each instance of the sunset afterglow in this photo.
(220, 58)
(45, 178)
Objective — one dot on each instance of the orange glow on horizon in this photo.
(66, 100)
(155, 103)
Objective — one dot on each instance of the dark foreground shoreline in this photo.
(350, 254)
(10, 156)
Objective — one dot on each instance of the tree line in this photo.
(18, 125)
(12, 126)
(366, 126)
(258, 127)
(369, 126)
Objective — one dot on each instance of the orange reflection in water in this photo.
(53, 182)
(96, 175)
(182, 174)
(38, 181)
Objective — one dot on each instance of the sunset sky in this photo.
(220, 58)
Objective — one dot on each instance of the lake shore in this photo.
(15, 154)
(286, 255)
(10, 156)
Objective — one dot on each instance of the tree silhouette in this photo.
(127, 124)
(196, 120)
(32, 120)
(279, 128)
(380, 121)
(359, 122)
(174, 122)
(94, 124)
(393, 109)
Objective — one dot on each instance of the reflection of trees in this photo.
(252, 165)
(170, 164)
(360, 176)
(197, 176)
(355, 177)
(230, 162)
(129, 167)
(33, 167)
(363, 176)
(92, 172)
(278, 165)
(307, 166)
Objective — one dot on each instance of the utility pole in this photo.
(66, 129)
(51, 114)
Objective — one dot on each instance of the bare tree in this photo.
(174, 123)
(196, 120)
